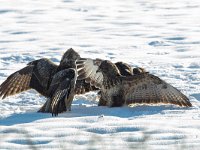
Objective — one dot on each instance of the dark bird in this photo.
(56, 82)
(62, 88)
(118, 90)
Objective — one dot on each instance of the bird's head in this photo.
(71, 54)
(107, 67)
(69, 58)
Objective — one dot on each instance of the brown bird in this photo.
(56, 82)
(124, 70)
(118, 90)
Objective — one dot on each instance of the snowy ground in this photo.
(159, 35)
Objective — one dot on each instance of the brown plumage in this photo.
(124, 68)
(118, 90)
(49, 80)
(35, 75)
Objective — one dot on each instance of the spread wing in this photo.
(17, 82)
(147, 88)
(87, 69)
(61, 91)
(35, 75)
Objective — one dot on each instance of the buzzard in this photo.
(139, 88)
(124, 70)
(56, 82)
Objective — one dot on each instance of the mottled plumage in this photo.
(118, 90)
(51, 80)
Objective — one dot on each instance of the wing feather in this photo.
(17, 82)
(61, 89)
(63, 96)
(58, 101)
(147, 88)
(87, 69)
(35, 75)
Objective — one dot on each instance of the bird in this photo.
(62, 88)
(56, 82)
(124, 70)
(118, 90)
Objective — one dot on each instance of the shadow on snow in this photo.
(83, 111)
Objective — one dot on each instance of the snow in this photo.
(161, 36)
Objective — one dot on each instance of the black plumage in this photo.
(118, 90)
(62, 88)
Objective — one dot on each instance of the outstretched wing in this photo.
(36, 75)
(87, 69)
(17, 82)
(147, 88)
(61, 89)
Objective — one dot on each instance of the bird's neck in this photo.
(110, 80)
(66, 65)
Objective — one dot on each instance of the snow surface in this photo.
(159, 35)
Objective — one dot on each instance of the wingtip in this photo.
(188, 104)
(186, 101)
